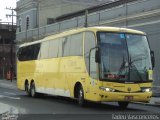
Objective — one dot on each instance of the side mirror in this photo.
(97, 55)
(152, 59)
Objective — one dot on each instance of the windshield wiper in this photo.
(131, 64)
(123, 66)
(138, 59)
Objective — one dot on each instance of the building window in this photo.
(27, 23)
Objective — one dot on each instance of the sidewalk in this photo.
(12, 85)
(7, 111)
(8, 84)
(155, 101)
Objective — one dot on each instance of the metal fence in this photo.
(107, 17)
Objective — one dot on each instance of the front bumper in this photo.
(120, 96)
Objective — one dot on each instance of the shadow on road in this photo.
(107, 106)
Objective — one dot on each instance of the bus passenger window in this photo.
(44, 50)
(76, 45)
(60, 49)
(53, 48)
(66, 46)
(24, 53)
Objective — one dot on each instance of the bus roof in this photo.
(77, 30)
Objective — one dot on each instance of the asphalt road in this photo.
(60, 108)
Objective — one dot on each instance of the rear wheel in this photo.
(33, 90)
(81, 101)
(27, 88)
(123, 105)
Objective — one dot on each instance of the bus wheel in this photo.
(123, 105)
(27, 88)
(32, 90)
(81, 101)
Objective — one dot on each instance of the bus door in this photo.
(93, 72)
(91, 66)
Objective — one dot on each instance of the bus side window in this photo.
(66, 46)
(60, 48)
(76, 44)
(36, 51)
(89, 42)
(28, 52)
(53, 48)
(19, 52)
(23, 54)
(44, 50)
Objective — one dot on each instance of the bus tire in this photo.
(27, 89)
(123, 105)
(33, 90)
(81, 100)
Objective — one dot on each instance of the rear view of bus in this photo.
(125, 65)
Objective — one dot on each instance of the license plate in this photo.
(128, 98)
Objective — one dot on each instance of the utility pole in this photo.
(12, 42)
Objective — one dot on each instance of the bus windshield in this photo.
(124, 57)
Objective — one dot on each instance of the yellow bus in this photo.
(97, 64)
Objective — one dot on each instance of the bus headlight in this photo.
(107, 89)
(146, 89)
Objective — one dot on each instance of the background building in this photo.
(34, 13)
(7, 48)
(34, 18)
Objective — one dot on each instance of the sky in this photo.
(3, 11)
